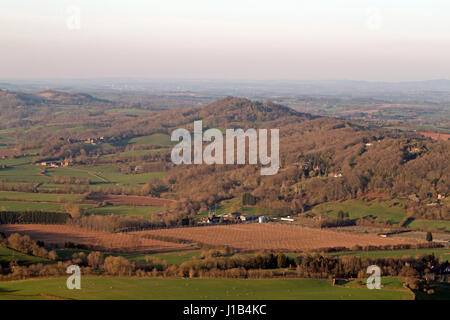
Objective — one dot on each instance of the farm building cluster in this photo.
(54, 164)
(234, 217)
(89, 140)
(237, 217)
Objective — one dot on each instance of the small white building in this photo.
(262, 219)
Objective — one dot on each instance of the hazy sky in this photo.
(229, 39)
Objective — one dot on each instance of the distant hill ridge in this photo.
(14, 99)
(233, 110)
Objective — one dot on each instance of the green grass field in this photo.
(157, 139)
(21, 206)
(16, 161)
(173, 258)
(139, 152)
(23, 170)
(23, 173)
(226, 207)
(105, 175)
(385, 211)
(442, 253)
(30, 206)
(7, 255)
(430, 225)
(12, 195)
(196, 289)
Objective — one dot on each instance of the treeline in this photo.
(219, 264)
(115, 223)
(34, 187)
(42, 217)
(19, 187)
(71, 180)
(25, 245)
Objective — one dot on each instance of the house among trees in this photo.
(262, 219)
(54, 164)
(251, 218)
(50, 164)
(442, 269)
(235, 214)
(413, 197)
(336, 175)
(95, 140)
(213, 219)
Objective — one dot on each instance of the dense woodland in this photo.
(322, 159)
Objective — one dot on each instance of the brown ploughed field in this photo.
(59, 234)
(257, 236)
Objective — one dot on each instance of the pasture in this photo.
(21, 206)
(7, 255)
(195, 289)
(41, 197)
(172, 258)
(388, 211)
(23, 170)
(430, 225)
(228, 206)
(442, 253)
(157, 139)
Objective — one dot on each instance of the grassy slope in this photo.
(382, 210)
(7, 255)
(441, 253)
(34, 206)
(175, 258)
(226, 207)
(12, 195)
(194, 289)
(157, 139)
(431, 225)
(29, 206)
